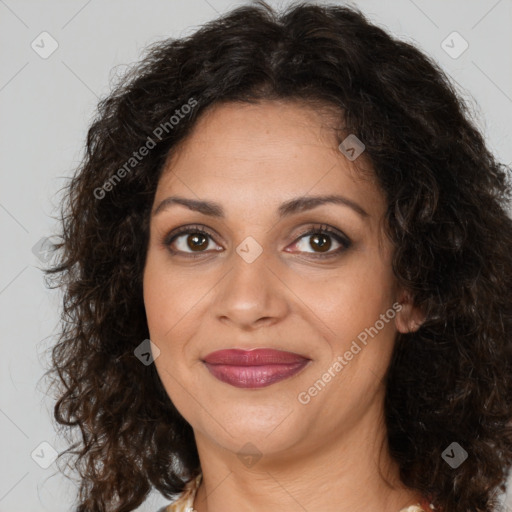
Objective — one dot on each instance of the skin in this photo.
(331, 453)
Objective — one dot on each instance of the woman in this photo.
(287, 265)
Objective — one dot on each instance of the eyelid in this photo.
(190, 228)
(325, 228)
(308, 230)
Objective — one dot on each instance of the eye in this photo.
(189, 238)
(320, 241)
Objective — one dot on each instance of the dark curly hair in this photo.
(447, 196)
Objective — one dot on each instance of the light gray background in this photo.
(46, 106)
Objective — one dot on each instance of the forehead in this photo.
(249, 155)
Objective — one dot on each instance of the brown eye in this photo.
(188, 240)
(321, 241)
(197, 241)
(318, 242)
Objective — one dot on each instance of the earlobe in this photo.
(410, 317)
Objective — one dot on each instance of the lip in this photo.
(253, 368)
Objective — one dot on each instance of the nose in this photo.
(251, 295)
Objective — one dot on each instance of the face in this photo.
(252, 269)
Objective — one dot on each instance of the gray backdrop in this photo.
(58, 57)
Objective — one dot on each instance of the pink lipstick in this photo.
(253, 368)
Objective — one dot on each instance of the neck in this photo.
(353, 473)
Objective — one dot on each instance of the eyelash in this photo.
(343, 240)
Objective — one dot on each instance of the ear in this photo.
(410, 317)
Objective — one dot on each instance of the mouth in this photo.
(253, 368)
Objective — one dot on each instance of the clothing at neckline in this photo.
(185, 502)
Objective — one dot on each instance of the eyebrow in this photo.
(290, 207)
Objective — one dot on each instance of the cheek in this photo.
(351, 299)
(176, 300)
(167, 302)
(169, 294)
